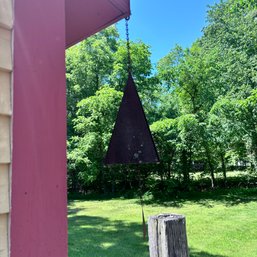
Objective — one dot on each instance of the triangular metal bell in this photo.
(131, 141)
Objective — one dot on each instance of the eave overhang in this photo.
(86, 17)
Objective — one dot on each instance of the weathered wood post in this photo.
(167, 236)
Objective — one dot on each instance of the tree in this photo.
(200, 102)
(231, 38)
(147, 84)
(247, 116)
(166, 135)
(89, 65)
(188, 143)
(93, 126)
(96, 63)
(177, 139)
(168, 74)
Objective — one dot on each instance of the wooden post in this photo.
(167, 236)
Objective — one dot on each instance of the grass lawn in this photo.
(219, 224)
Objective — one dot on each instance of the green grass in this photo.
(219, 224)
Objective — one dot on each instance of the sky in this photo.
(164, 23)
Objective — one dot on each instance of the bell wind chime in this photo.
(131, 141)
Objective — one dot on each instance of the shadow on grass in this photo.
(72, 210)
(228, 197)
(196, 253)
(91, 236)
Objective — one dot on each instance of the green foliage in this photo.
(141, 65)
(168, 67)
(231, 38)
(165, 134)
(147, 84)
(200, 102)
(88, 67)
(93, 126)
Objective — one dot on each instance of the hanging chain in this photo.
(128, 45)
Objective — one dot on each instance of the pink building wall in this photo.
(38, 214)
(38, 222)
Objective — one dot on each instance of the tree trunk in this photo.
(113, 186)
(167, 236)
(224, 169)
(254, 149)
(212, 174)
(102, 180)
(208, 155)
(185, 168)
(169, 170)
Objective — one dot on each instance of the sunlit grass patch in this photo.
(219, 224)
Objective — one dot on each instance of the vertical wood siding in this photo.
(6, 64)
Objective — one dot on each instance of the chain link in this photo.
(128, 45)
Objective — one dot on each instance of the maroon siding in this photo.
(38, 197)
(38, 214)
